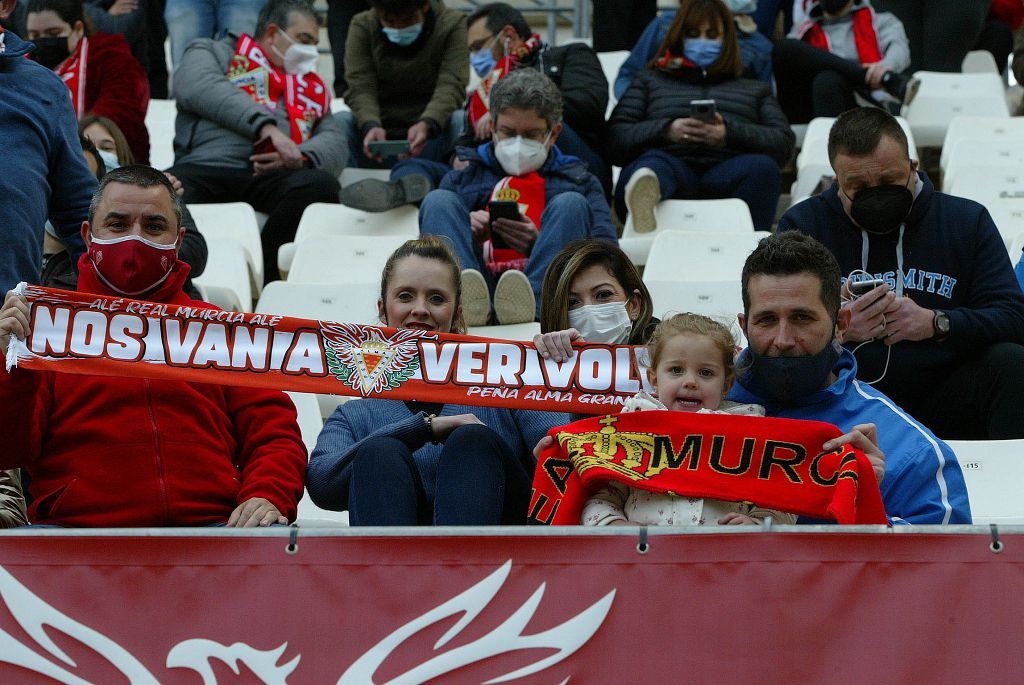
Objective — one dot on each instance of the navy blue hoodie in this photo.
(43, 173)
(953, 259)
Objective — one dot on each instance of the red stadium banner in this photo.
(728, 607)
(772, 463)
(107, 336)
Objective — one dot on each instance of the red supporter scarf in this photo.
(480, 100)
(528, 191)
(672, 64)
(305, 97)
(73, 70)
(864, 36)
(772, 463)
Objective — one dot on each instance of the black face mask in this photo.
(50, 50)
(785, 380)
(833, 6)
(881, 209)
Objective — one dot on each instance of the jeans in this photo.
(814, 82)
(436, 148)
(479, 483)
(753, 178)
(282, 195)
(191, 19)
(565, 218)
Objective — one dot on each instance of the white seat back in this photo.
(984, 183)
(941, 97)
(1008, 214)
(160, 115)
(994, 473)
(979, 62)
(321, 218)
(226, 278)
(611, 62)
(235, 221)
(342, 259)
(726, 216)
(348, 302)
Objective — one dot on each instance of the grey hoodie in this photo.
(892, 39)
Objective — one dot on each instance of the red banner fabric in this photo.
(773, 463)
(729, 607)
(89, 334)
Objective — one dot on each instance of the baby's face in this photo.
(690, 374)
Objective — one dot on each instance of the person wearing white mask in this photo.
(592, 293)
(254, 123)
(556, 200)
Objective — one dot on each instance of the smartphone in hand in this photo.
(389, 148)
(263, 145)
(502, 209)
(705, 110)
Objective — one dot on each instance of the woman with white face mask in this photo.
(592, 293)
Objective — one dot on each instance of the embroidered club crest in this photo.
(366, 360)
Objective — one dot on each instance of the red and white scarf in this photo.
(73, 70)
(480, 100)
(864, 36)
(305, 96)
(528, 191)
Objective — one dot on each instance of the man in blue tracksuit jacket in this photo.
(795, 368)
(944, 340)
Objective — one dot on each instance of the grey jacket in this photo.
(892, 39)
(218, 122)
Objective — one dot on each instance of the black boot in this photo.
(901, 87)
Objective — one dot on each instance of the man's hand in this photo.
(375, 133)
(875, 72)
(557, 345)
(13, 318)
(123, 7)
(418, 135)
(520, 235)
(266, 163)
(178, 188)
(909, 321)
(864, 437)
(690, 131)
(444, 425)
(480, 225)
(290, 155)
(255, 512)
(482, 128)
(869, 313)
(735, 518)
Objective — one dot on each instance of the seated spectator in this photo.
(254, 123)
(942, 335)
(795, 368)
(592, 293)
(123, 18)
(755, 48)
(1004, 19)
(12, 500)
(558, 201)
(98, 68)
(392, 463)
(844, 48)
(110, 142)
(500, 41)
(226, 455)
(407, 70)
(669, 149)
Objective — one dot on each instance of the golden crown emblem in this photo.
(621, 452)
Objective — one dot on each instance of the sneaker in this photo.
(643, 192)
(375, 195)
(901, 87)
(513, 299)
(476, 299)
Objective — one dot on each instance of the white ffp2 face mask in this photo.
(519, 156)
(299, 59)
(607, 323)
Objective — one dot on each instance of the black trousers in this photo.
(813, 82)
(282, 195)
(982, 399)
(619, 23)
(339, 16)
(940, 32)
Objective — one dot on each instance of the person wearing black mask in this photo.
(943, 332)
(795, 368)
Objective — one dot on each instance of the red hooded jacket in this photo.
(124, 452)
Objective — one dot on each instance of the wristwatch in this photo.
(941, 325)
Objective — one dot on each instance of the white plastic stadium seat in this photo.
(321, 218)
(611, 62)
(310, 423)
(342, 259)
(349, 302)
(235, 221)
(725, 216)
(985, 183)
(941, 97)
(516, 331)
(994, 472)
(160, 123)
(979, 62)
(978, 139)
(226, 276)
(1017, 248)
(1008, 214)
(338, 105)
(807, 180)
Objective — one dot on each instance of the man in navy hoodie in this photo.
(43, 174)
(942, 334)
(795, 368)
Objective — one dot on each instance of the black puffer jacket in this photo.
(754, 121)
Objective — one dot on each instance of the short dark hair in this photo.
(397, 7)
(498, 16)
(791, 253)
(279, 13)
(90, 149)
(68, 10)
(858, 131)
(136, 175)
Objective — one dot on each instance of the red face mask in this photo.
(132, 265)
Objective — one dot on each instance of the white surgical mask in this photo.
(299, 59)
(109, 160)
(519, 156)
(602, 323)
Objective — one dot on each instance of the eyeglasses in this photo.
(536, 135)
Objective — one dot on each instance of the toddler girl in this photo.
(691, 370)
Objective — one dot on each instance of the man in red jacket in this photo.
(128, 451)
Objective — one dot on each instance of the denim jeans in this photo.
(435, 150)
(755, 179)
(479, 483)
(191, 19)
(566, 217)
